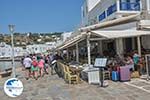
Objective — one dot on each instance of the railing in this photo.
(128, 6)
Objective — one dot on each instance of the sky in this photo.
(40, 15)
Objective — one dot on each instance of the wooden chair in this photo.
(106, 75)
(65, 72)
(72, 78)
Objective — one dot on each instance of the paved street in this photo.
(55, 88)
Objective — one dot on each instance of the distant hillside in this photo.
(22, 39)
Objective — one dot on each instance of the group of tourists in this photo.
(37, 65)
(133, 60)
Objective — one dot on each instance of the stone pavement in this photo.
(140, 84)
(55, 88)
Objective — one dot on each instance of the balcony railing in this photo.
(128, 6)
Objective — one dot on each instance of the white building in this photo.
(65, 36)
(105, 11)
(38, 48)
(6, 50)
(96, 11)
(118, 25)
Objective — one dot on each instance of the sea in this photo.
(8, 64)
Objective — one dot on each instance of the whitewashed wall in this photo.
(6, 51)
(39, 48)
(100, 8)
(92, 4)
(127, 26)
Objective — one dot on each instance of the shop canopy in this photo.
(145, 24)
(119, 34)
(73, 41)
(110, 23)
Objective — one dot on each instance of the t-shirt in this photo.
(135, 58)
(27, 62)
(41, 63)
(35, 63)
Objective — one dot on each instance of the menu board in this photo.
(100, 62)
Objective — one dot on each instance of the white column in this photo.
(88, 50)
(118, 5)
(77, 52)
(67, 54)
(119, 46)
(139, 45)
(100, 50)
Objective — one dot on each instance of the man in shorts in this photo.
(27, 64)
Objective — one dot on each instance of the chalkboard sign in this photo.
(100, 62)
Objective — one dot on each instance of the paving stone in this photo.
(147, 87)
(140, 83)
(51, 87)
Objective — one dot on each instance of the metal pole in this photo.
(11, 28)
(12, 43)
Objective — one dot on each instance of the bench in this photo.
(6, 72)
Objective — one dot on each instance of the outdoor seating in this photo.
(106, 75)
(65, 73)
(72, 78)
(68, 75)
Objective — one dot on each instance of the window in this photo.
(129, 5)
(111, 9)
(102, 16)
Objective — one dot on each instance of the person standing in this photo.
(34, 67)
(27, 64)
(136, 58)
(46, 64)
(130, 63)
(41, 65)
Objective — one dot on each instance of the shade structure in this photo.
(110, 23)
(73, 41)
(119, 34)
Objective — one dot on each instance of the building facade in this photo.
(114, 27)
(104, 10)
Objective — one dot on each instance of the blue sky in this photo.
(40, 15)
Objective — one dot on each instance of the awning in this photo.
(109, 23)
(73, 41)
(119, 34)
(145, 24)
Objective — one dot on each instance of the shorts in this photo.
(46, 66)
(28, 68)
(34, 68)
(41, 68)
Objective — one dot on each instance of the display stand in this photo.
(101, 64)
